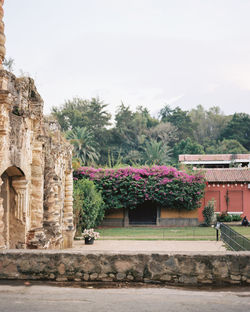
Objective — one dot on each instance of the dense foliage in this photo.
(128, 187)
(225, 217)
(208, 213)
(88, 205)
(238, 128)
(136, 138)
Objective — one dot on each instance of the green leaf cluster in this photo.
(88, 205)
(208, 213)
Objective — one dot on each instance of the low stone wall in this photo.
(175, 269)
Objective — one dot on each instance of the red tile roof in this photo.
(227, 175)
(213, 157)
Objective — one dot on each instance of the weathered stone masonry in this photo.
(177, 269)
(35, 171)
(35, 168)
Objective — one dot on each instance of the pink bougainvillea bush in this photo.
(128, 187)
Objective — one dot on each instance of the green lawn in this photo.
(152, 233)
(243, 230)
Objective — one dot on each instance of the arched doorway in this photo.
(13, 194)
(143, 214)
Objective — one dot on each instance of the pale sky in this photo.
(141, 52)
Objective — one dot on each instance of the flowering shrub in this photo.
(128, 187)
(90, 233)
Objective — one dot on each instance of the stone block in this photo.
(123, 266)
(93, 276)
(130, 277)
(166, 277)
(120, 276)
(235, 277)
(61, 269)
(86, 277)
(188, 280)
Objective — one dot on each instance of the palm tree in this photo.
(84, 145)
(156, 153)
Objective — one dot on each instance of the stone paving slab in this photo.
(138, 246)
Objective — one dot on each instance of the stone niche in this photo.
(36, 185)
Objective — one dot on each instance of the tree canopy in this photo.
(138, 138)
(238, 128)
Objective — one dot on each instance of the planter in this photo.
(89, 241)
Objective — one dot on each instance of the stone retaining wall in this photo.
(175, 269)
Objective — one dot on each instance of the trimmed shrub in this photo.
(88, 205)
(236, 218)
(208, 213)
(129, 187)
(225, 217)
(228, 218)
(221, 217)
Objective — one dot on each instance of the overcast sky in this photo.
(141, 52)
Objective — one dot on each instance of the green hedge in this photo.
(225, 217)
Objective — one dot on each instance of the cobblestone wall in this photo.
(175, 269)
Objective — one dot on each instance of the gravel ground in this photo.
(150, 246)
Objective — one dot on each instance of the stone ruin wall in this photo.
(35, 171)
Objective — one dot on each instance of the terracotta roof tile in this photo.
(227, 175)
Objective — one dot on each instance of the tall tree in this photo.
(199, 119)
(123, 133)
(98, 117)
(130, 132)
(187, 147)
(238, 128)
(207, 124)
(180, 119)
(164, 132)
(84, 145)
(79, 112)
(216, 122)
(227, 147)
(156, 153)
(89, 114)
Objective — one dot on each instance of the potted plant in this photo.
(90, 235)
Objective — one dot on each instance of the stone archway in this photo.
(14, 212)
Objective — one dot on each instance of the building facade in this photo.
(228, 181)
(230, 190)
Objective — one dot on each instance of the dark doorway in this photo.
(145, 213)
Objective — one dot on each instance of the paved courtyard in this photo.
(52, 299)
(116, 246)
